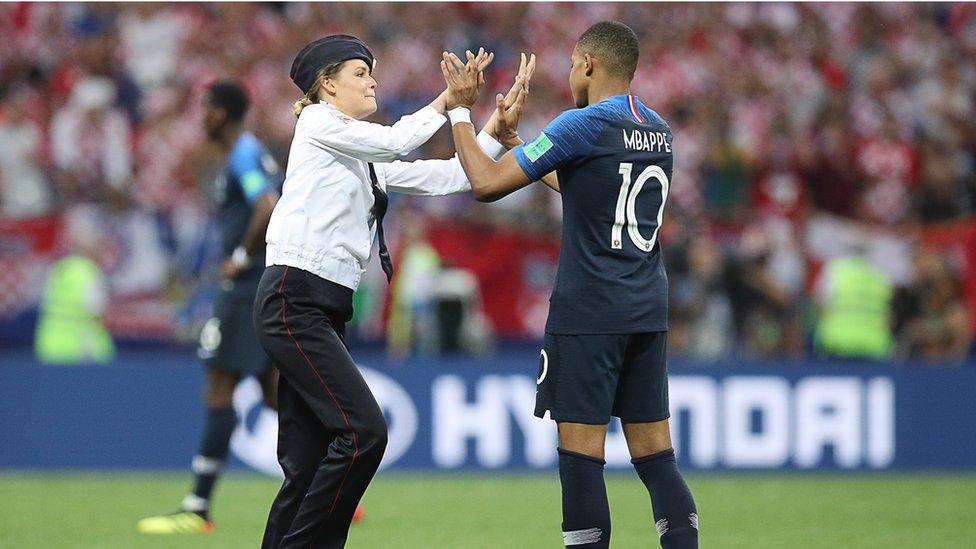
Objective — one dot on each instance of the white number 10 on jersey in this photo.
(627, 201)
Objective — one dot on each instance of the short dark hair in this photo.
(615, 44)
(229, 96)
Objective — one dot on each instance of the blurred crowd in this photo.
(804, 134)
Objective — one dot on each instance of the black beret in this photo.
(326, 51)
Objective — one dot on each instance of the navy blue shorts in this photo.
(588, 378)
(228, 341)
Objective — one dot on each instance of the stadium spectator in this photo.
(833, 179)
(24, 187)
(90, 144)
(887, 162)
(762, 306)
(943, 192)
(150, 36)
(931, 321)
(701, 314)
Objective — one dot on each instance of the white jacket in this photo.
(322, 222)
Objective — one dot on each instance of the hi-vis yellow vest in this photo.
(67, 332)
(855, 321)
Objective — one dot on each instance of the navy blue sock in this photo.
(586, 512)
(218, 427)
(675, 515)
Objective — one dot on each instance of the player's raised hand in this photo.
(479, 62)
(508, 108)
(522, 78)
(464, 80)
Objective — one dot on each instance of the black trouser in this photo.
(331, 432)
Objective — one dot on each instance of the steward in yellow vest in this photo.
(855, 320)
(69, 327)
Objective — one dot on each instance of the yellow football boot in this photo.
(183, 522)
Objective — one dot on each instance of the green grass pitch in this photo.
(406, 511)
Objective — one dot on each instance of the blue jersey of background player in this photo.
(246, 192)
(250, 178)
(604, 352)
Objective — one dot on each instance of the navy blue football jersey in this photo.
(614, 164)
(250, 172)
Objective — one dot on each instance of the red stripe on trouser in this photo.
(308, 361)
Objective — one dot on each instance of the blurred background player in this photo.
(605, 347)
(246, 191)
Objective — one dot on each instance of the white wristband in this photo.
(239, 258)
(491, 147)
(459, 114)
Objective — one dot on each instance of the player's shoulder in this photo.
(247, 147)
(318, 115)
(579, 122)
(572, 116)
(246, 154)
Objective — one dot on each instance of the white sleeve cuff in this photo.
(491, 147)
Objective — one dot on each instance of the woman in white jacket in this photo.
(332, 433)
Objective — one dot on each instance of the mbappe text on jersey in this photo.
(646, 141)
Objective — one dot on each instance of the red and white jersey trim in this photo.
(632, 101)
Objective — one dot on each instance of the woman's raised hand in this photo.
(464, 80)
